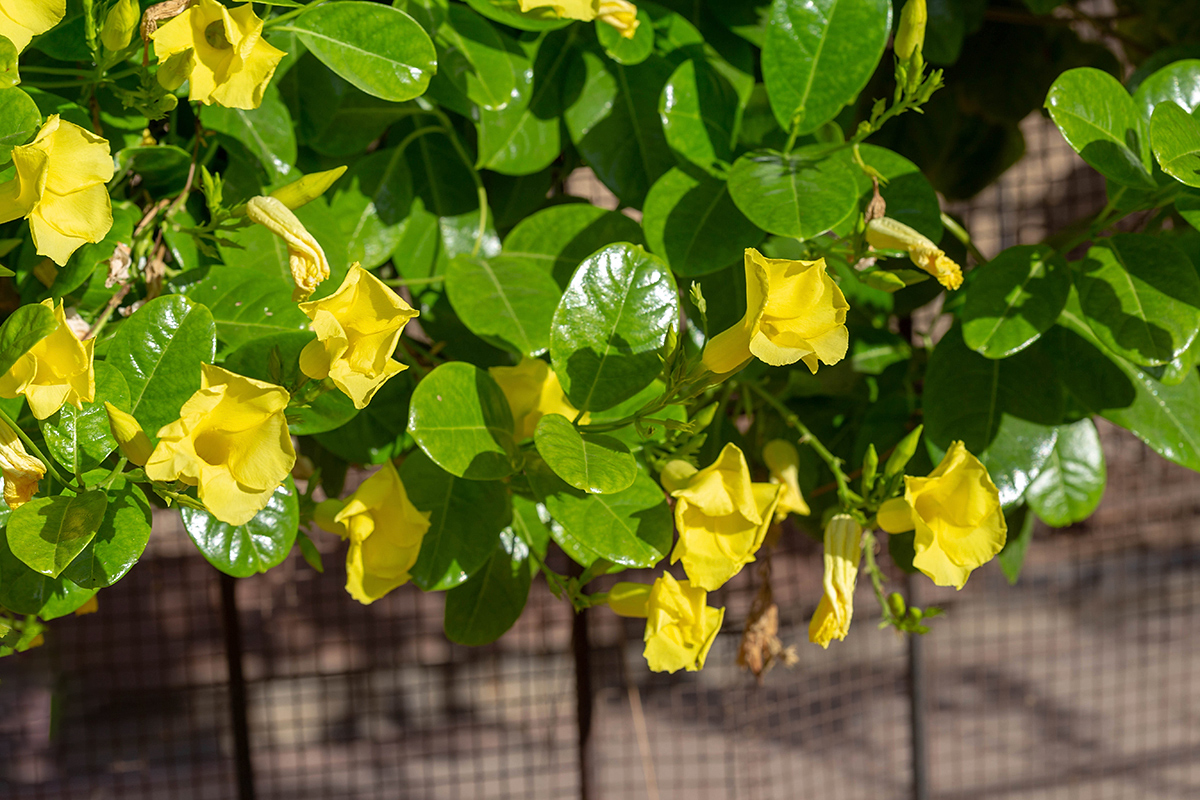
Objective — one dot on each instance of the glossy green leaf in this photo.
(159, 351)
(1141, 297)
(47, 533)
(1072, 482)
(266, 131)
(84, 261)
(632, 528)
(332, 116)
(692, 222)
(613, 319)
(260, 544)
(819, 54)
(910, 197)
(699, 111)
(480, 611)
(19, 120)
(478, 60)
(1175, 137)
(24, 328)
(1102, 123)
(466, 517)
(461, 419)
(371, 202)
(801, 195)
(1014, 299)
(1178, 81)
(120, 541)
(161, 168)
(377, 432)
(627, 50)
(508, 12)
(559, 238)
(379, 49)
(80, 438)
(24, 591)
(595, 463)
(506, 299)
(245, 304)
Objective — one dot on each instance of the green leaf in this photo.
(818, 55)
(692, 222)
(909, 196)
(1014, 299)
(479, 61)
(627, 51)
(1020, 534)
(27, 592)
(559, 238)
(377, 432)
(466, 517)
(801, 195)
(506, 299)
(84, 261)
(24, 328)
(1072, 482)
(47, 533)
(9, 73)
(1102, 123)
(120, 541)
(245, 303)
(1178, 81)
(481, 610)
(1175, 137)
(1141, 297)
(379, 49)
(461, 419)
(610, 326)
(699, 110)
(260, 544)
(333, 117)
(19, 120)
(594, 463)
(162, 167)
(266, 131)
(528, 525)
(80, 438)
(632, 528)
(159, 351)
(371, 203)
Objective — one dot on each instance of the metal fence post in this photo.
(581, 648)
(237, 688)
(916, 698)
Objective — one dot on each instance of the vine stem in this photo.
(37, 452)
(415, 281)
(876, 574)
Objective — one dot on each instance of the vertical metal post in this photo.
(237, 688)
(581, 648)
(916, 697)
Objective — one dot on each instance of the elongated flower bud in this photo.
(129, 435)
(118, 27)
(911, 34)
(305, 256)
(843, 551)
(886, 233)
(21, 470)
(308, 188)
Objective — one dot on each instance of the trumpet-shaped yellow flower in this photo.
(132, 440)
(21, 20)
(231, 440)
(59, 188)
(721, 515)
(621, 14)
(305, 256)
(680, 626)
(357, 328)
(56, 370)
(783, 461)
(21, 471)
(843, 551)
(221, 51)
(385, 531)
(533, 391)
(794, 312)
(957, 516)
(886, 233)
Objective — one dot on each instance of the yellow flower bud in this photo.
(59, 188)
(385, 531)
(221, 50)
(957, 516)
(571, 9)
(680, 626)
(122, 19)
(133, 441)
(231, 440)
(90, 607)
(621, 14)
(358, 328)
(886, 233)
(308, 188)
(21, 20)
(783, 461)
(843, 551)
(21, 471)
(305, 256)
(794, 312)
(532, 390)
(722, 518)
(910, 36)
(56, 370)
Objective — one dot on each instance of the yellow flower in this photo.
(21, 471)
(957, 515)
(571, 9)
(21, 20)
(886, 233)
(721, 515)
(231, 440)
(843, 550)
(680, 627)
(305, 256)
(533, 391)
(133, 441)
(56, 370)
(783, 461)
(59, 188)
(357, 328)
(621, 14)
(794, 312)
(385, 531)
(222, 52)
